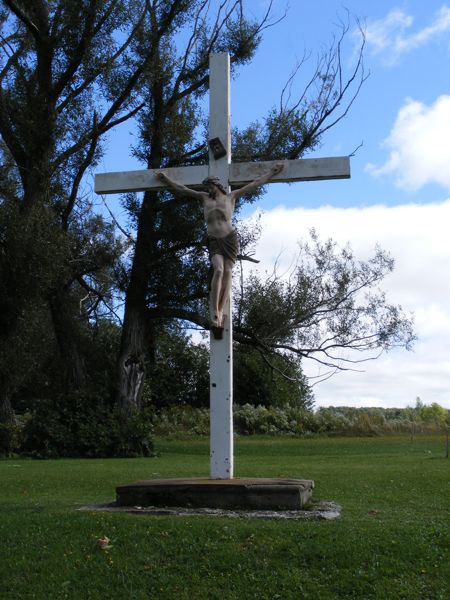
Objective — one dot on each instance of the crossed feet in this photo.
(217, 326)
(217, 320)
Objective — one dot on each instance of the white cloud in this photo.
(417, 237)
(419, 145)
(390, 37)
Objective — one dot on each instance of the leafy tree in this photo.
(179, 371)
(178, 375)
(330, 309)
(67, 75)
(434, 413)
(168, 271)
(277, 381)
(70, 72)
(165, 279)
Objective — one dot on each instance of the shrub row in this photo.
(85, 426)
(249, 420)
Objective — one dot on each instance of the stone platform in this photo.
(228, 494)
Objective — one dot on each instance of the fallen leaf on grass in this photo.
(104, 543)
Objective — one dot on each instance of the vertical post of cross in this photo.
(221, 351)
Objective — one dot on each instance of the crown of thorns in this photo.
(215, 181)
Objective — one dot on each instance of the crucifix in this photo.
(223, 174)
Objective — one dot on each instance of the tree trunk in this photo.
(132, 361)
(7, 416)
(137, 338)
(7, 422)
(136, 334)
(68, 338)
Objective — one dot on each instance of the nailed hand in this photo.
(277, 168)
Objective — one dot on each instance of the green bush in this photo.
(181, 419)
(290, 420)
(12, 434)
(248, 420)
(83, 425)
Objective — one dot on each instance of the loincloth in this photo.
(227, 246)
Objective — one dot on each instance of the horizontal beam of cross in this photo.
(307, 169)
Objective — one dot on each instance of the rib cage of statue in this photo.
(223, 243)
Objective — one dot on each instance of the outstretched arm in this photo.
(178, 188)
(254, 185)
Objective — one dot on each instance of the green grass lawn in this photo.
(392, 541)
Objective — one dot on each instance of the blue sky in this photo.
(407, 55)
(398, 195)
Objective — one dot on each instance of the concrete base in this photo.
(245, 493)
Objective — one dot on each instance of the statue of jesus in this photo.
(223, 245)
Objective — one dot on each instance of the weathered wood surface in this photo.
(221, 448)
(306, 169)
(138, 181)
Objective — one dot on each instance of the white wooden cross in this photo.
(230, 174)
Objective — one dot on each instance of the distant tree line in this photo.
(92, 311)
(297, 421)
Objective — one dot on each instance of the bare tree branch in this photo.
(78, 57)
(126, 233)
(99, 295)
(25, 18)
(87, 161)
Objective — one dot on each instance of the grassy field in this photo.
(392, 541)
